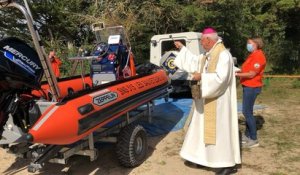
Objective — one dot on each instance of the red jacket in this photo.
(256, 62)
(55, 63)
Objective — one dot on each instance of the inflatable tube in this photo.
(77, 116)
(65, 85)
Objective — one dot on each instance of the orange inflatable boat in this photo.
(29, 114)
(79, 115)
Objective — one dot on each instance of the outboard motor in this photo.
(20, 72)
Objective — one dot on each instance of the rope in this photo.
(281, 76)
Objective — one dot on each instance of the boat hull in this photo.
(76, 117)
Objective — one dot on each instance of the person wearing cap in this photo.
(212, 139)
(55, 64)
(251, 79)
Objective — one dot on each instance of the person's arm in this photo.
(58, 61)
(186, 60)
(249, 74)
(256, 67)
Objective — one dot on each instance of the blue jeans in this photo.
(249, 96)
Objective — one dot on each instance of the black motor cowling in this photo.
(20, 72)
(19, 65)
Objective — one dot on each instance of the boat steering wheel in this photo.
(100, 49)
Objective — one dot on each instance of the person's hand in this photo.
(178, 44)
(237, 70)
(51, 56)
(197, 76)
(237, 73)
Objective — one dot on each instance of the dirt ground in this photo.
(278, 153)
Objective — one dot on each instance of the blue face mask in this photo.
(250, 47)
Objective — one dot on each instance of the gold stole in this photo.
(210, 105)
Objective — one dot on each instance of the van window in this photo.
(169, 46)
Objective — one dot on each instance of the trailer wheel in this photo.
(132, 146)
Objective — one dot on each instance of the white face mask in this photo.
(250, 48)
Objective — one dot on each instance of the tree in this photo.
(63, 23)
(289, 60)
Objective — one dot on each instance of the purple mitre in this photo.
(208, 30)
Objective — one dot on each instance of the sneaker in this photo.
(251, 143)
(244, 138)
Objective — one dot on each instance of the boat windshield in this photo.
(103, 33)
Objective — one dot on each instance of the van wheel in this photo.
(132, 146)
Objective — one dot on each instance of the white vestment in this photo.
(221, 84)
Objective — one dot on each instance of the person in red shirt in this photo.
(251, 79)
(55, 64)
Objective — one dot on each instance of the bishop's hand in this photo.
(178, 44)
(197, 76)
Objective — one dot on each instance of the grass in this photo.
(252, 166)
(295, 158)
(277, 173)
(162, 162)
(284, 143)
(296, 84)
